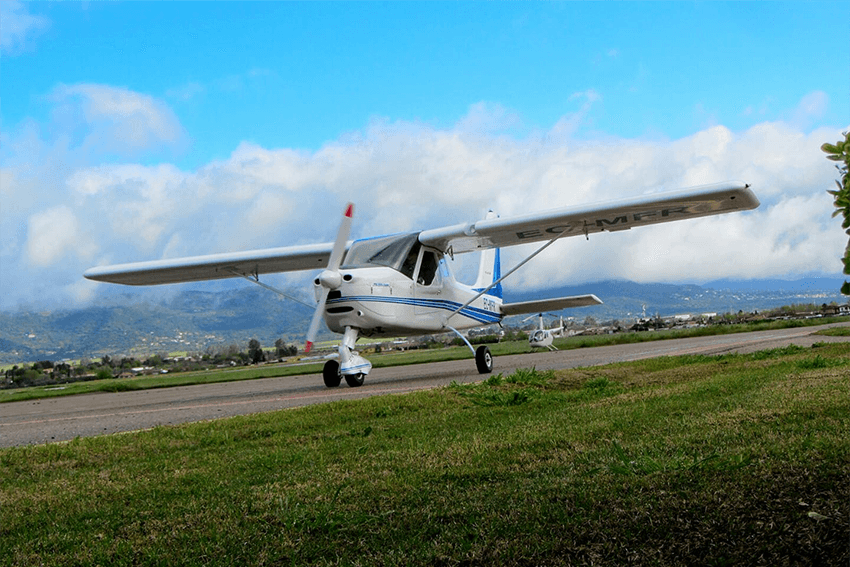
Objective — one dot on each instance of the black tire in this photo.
(331, 374)
(354, 380)
(484, 360)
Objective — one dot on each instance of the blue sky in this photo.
(136, 130)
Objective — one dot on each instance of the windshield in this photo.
(391, 251)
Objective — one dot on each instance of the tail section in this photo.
(490, 268)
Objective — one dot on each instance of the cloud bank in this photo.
(18, 27)
(91, 187)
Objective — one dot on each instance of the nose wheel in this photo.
(332, 377)
(331, 374)
(354, 380)
(350, 365)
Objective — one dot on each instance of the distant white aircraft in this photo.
(402, 284)
(543, 337)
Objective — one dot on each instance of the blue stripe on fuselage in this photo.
(474, 313)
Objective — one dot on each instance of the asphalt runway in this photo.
(61, 419)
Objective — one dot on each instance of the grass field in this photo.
(695, 460)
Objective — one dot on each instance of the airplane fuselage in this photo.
(380, 301)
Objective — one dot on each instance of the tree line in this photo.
(46, 372)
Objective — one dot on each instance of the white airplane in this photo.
(402, 284)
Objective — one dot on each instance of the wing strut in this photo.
(255, 278)
(498, 281)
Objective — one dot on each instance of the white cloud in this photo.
(406, 176)
(487, 119)
(52, 235)
(568, 124)
(116, 120)
(18, 27)
(811, 107)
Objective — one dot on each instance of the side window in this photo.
(409, 264)
(428, 268)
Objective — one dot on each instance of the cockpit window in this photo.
(409, 263)
(390, 251)
(428, 268)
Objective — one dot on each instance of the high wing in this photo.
(487, 233)
(216, 266)
(550, 304)
(574, 221)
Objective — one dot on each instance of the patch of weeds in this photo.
(494, 380)
(531, 376)
(521, 387)
(598, 383)
(816, 363)
(503, 398)
(117, 387)
(778, 352)
(455, 385)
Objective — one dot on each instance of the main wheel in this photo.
(484, 360)
(354, 380)
(331, 374)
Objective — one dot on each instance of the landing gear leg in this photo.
(483, 358)
(352, 366)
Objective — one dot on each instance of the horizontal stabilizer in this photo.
(550, 304)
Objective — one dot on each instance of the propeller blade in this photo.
(327, 276)
(341, 238)
(317, 317)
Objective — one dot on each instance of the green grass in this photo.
(835, 332)
(695, 460)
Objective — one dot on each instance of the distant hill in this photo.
(624, 299)
(189, 321)
(196, 320)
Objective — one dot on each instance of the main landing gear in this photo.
(483, 360)
(354, 367)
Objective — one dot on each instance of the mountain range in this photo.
(194, 321)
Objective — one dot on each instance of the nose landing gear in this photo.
(351, 365)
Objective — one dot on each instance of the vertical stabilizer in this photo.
(490, 269)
